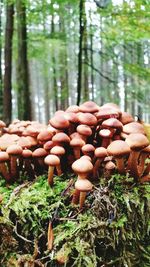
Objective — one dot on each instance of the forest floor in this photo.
(40, 227)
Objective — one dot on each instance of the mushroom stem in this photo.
(141, 165)
(13, 166)
(147, 169)
(50, 237)
(120, 165)
(76, 195)
(77, 152)
(59, 170)
(82, 199)
(133, 164)
(50, 175)
(96, 167)
(4, 171)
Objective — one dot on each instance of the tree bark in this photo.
(1, 91)
(24, 102)
(81, 34)
(7, 96)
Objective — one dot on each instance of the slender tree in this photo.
(24, 104)
(1, 91)
(81, 34)
(7, 96)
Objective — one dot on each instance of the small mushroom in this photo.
(52, 161)
(119, 149)
(83, 186)
(4, 157)
(136, 142)
(14, 151)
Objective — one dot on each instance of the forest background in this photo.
(59, 53)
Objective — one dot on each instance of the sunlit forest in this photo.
(75, 133)
(60, 53)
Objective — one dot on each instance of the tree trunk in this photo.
(85, 43)
(24, 104)
(81, 33)
(7, 97)
(1, 90)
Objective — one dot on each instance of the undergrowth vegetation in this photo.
(112, 229)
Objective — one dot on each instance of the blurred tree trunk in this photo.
(85, 69)
(24, 104)
(81, 34)
(1, 90)
(125, 80)
(91, 59)
(63, 69)
(7, 97)
(55, 89)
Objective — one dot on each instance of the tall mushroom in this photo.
(52, 161)
(136, 142)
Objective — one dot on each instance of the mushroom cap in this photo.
(39, 152)
(100, 152)
(31, 131)
(106, 133)
(77, 142)
(52, 160)
(112, 123)
(86, 158)
(14, 150)
(84, 130)
(82, 165)
(133, 127)
(61, 138)
(137, 141)
(48, 145)
(146, 149)
(87, 118)
(71, 117)
(27, 153)
(59, 122)
(57, 150)
(110, 165)
(3, 156)
(88, 148)
(89, 106)
(44, 135)
(106, 112)
(72, 108)
(32, 140)
(24, 142)
(83, 185)
(126, 118)
(118, 148)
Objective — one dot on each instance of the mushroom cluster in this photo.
(88, 139)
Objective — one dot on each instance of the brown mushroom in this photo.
(4, 157)
(58, 151)
(52, 161)
(119, 149)
(83, 186)
(100, 154)
(136, 142)
(14, 152)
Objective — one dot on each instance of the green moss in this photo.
(112, 230)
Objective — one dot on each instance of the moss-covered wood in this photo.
(111, 230)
